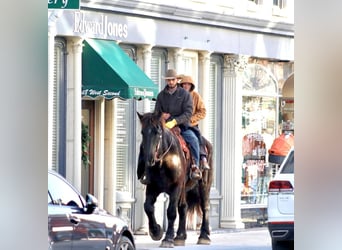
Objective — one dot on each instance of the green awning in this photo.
(109, 72)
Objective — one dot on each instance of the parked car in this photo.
(78, 223)
(280, 207)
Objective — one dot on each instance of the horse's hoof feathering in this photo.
(167, 244)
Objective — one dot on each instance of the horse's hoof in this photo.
(180, 242)
(157, 235)
(202, 241)
(167, 244)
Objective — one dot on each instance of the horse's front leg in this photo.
(181, 232)
(171, 217)
(155, 229)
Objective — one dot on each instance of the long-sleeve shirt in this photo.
(199, 110)
(178, 105)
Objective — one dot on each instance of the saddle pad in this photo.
(176, 132)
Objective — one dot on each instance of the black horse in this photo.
(168, 167)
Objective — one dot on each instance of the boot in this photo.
(196, 173)
(205, 164)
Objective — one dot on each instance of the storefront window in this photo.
(259, 127)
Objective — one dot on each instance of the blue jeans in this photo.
(191, 138)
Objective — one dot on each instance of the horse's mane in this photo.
(153, 118)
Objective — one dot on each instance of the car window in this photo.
(62, 193)
(289, 164)
(49, 199)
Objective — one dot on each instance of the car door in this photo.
(61, 227)
(286, 197)
(87, 231)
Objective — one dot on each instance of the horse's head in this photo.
(152, 132)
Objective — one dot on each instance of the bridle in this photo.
(166, 151)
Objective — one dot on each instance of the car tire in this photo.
(125, 244)
(282, 245)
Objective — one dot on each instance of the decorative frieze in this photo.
(235, 64)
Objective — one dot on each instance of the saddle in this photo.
(177, 132)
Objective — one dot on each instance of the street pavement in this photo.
(222, 239)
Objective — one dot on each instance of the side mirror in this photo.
(92, 203)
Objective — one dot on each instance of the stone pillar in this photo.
(51, 59)
(142, 221)
(204, 79)
(177, 60)
(147, 57)
(232, 141)
(109, 160)
(74, 112)
(99, 184)
(53, 17)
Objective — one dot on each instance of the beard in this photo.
(171, 87)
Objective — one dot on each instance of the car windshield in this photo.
(289, 164)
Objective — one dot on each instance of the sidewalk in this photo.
(219, 238)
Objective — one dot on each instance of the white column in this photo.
(204, 79)
(109, 160)
(99, 151)
(231, 141)
(147, 57)
(74, 112)
(140, 195)
(53, 17)
(51, 59)
(177, 60)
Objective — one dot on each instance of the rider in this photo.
(175, 104)
(199, 113)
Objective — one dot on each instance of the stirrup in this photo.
(205, 164)
(196, 173)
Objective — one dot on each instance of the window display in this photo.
(259, 127)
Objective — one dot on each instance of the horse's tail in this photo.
(193, 214)
(194, 196)
(209, 178)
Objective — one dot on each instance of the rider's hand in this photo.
(171, 124)
(166, 116)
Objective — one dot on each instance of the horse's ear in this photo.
(140, 116)
(158, 114)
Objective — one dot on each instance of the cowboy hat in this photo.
(170, 74)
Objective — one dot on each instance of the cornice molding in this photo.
(181, 14)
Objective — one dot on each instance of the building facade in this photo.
(106, 62)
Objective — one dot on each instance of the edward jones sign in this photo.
(64, 4)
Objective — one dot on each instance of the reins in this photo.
(167, 150)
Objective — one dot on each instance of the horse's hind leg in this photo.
(203, 238)
(155, 229)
